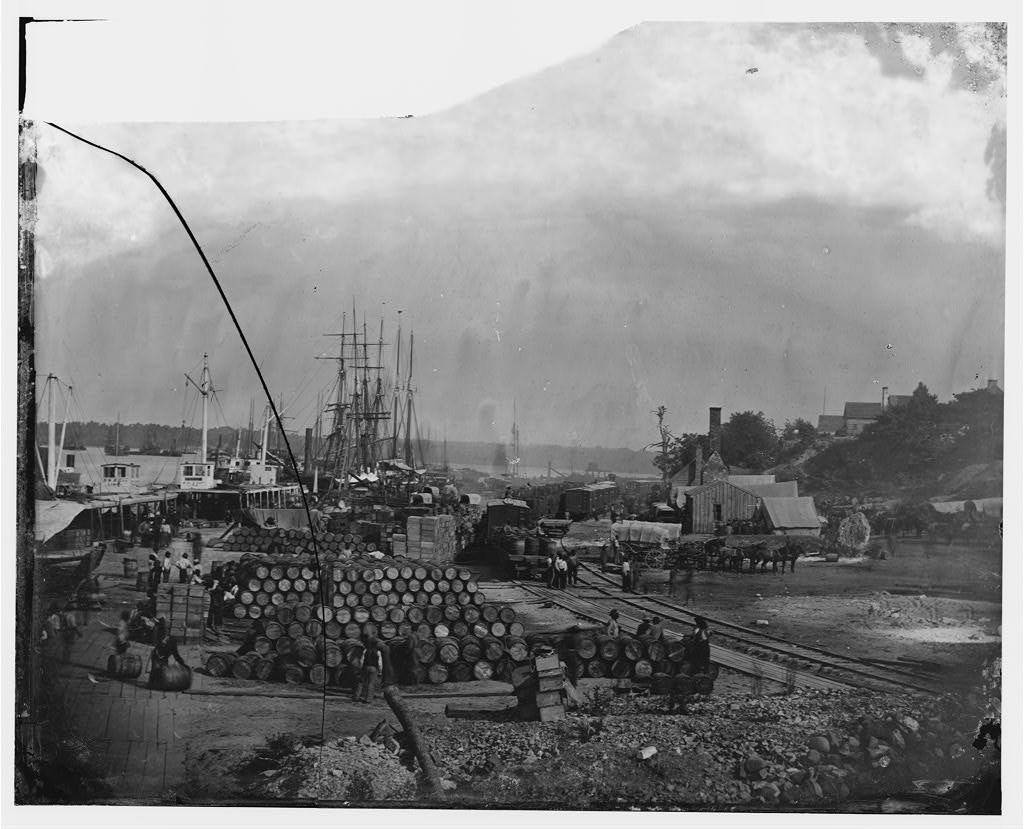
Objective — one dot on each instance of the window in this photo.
(718, 512)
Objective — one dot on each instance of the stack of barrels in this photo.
(299, 542)
(453, 649)
(665, 665)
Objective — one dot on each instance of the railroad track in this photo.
(745, 650)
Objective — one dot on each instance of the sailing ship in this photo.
(374, 428)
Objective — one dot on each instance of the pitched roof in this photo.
(899, 399)
(830, 423)
(697, 490)
(785, 489)
(791, 513)
(747, 480)
(862, 411)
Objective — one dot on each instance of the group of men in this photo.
(562, 570)
(650, 627)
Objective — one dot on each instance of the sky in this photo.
(591, 224)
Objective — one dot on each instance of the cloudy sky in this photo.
(620, 219)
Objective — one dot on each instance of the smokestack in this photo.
(307, 450)
(715, 429)
(885, 398)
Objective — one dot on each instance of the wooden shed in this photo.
(715, 502)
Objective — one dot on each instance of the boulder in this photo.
(812, 758)
(754, 764)
(819, 743)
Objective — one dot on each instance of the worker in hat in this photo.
(701, 645)
(612, 628)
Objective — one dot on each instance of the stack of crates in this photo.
(185, 607)
(399, 545)
(412, 533)
(550, 687)
(540, 688)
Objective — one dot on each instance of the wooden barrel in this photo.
(482, 669)
(460, 672)
(478, 599)
(493, 649)
(246, 597)
(293, 572)
(424, 631)
(318, 674)
(333, 630)
(254, 611)
(632, 649)
(489, 613)
(429, 586)
(622, 668)
(374, 588)
(262, 645)
(414, 585)
(351, 600)
(383, 599)
(498, 629)
(433, 615)
(303, 613)
(323, 613)
(426, 652)
(262, 599)
(284, 585)
(388, 630)
(677, 651)
(262, 571)
(463, 600)
(586, 647)
(703, 684)
(283, 645)
(286, 614)
(415, 615)
(396, 615)
(661, 683)
(277, 599)
(507, 614)
(405, 572)
(457, 585)
(337, 600)
(264, 668)
(332, 654)
(452, 613)
(517, 649)
(608, 648)
(293, 674)
(399, 585)
(682, 684)
(404, 629)
(459, 629)
(596, 668)
(656, 650)
(471, 649)
(408, 598)
(344, 587)
(304, 651)
(447, 650)
(378, 614)
(219, 664)
(342, 615)
(173, 678)
(126, 666)
(437, 673)
(471, 614)
(314, 629)
(269, 612)
(471, 586)
(267, 585)
(391, 572)
(361, 615)
(420, 573)
(367, 600)
(481, 629)
(642, 669)
(437, 599)
(273, 631)
(441, 631)
(296, 629)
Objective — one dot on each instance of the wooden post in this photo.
(393, 697)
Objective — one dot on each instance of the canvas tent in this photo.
(794, 516)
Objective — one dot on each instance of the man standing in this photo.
(184, 569)
(574, 568)
(371, 663)
(627, 575)
(561, 572)
(612, 628)
(166, 566)
(701, 645)
(197, 546)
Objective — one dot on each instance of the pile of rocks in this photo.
(373, 767)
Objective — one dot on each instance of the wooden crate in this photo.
(552, 714)
(550, 683)
(547, 663)
(546, 699)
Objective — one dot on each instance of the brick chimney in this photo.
(885, 398)
(715, 430)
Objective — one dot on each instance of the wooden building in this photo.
(717, 502)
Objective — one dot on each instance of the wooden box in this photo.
(546, 699)
(555, 712)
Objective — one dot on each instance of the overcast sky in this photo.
(596, 225)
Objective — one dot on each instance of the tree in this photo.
(749, 440)
(798, 431)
